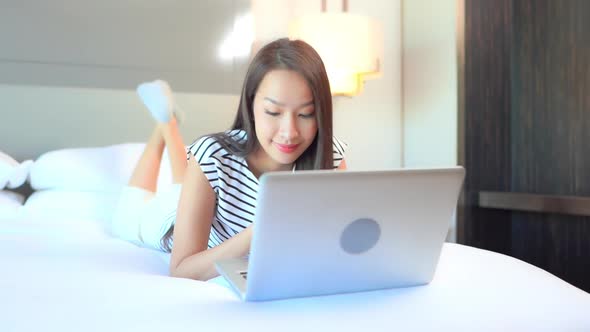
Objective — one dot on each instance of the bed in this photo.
(63, 271)
(69, 275)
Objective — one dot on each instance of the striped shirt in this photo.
(235, 186)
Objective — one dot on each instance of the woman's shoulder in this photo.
(215, 145)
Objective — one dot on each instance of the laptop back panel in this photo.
(326, 232)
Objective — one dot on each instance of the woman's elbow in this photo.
(174, 272)
(177, 271)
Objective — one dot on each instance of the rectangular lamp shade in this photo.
(350, 47)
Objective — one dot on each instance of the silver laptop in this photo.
(330, 232)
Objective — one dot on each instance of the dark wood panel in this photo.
(486, 115)
(550, 132)
(572, 205)
(526, 127)
(550, 118)
(556, 243)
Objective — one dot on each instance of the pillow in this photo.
(104, 169)
(7, 166)
(12, 173)
(20, 174)
(67, 205)
(10, 203)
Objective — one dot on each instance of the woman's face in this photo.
(284, 117)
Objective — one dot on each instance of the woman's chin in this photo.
(284, 162)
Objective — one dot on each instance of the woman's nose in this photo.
(289, 128)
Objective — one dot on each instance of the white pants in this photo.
(143, 217)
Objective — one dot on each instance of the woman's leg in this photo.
(176, 149)
(145, 216)
(157, 97)
(145, 174)
(140, 190)
(157, 214)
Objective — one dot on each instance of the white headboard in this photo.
(37, 119)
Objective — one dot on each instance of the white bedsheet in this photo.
(10, 204)
(71, 276)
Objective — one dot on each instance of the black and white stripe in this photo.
(339, 148)
(234, 184)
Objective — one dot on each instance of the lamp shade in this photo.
(350, 46)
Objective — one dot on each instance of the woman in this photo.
(284, 122)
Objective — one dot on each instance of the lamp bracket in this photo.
(344, 6)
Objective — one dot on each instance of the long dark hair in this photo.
(298, 56)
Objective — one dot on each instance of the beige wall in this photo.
(379, 133)
(371, 122)
(39, 118)
(387, 126)
(429, 81)
(68, 71)
(114, 44)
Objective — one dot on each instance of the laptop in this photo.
(330, 232)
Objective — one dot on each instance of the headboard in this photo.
(35, 120)
(39, 119)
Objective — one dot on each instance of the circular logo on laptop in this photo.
(360, 236)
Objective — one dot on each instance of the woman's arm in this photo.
(196, 209)
(342, 166)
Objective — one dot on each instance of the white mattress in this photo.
(10, 203)
(70, 276)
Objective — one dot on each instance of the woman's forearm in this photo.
(200, 266)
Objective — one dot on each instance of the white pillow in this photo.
(12, 173)
(10, 203)
(7, 166)
(91, 169)
(100, 168)
(20, 174)
(71, 205)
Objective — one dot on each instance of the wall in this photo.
(68, 79)
(429, 80)
(371, 122)
(379, 134)
(429, 83)
(33, 113)
(114, 44)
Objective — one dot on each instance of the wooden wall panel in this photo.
(550, 134)
(527, 128)
(487, 116)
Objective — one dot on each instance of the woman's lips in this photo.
(287, 148)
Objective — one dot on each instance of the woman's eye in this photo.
(271, 113)
(307, 116)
